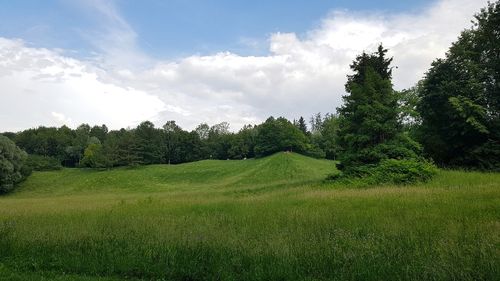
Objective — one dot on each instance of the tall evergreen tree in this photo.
(369, 128)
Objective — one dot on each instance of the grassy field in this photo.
(266, 219)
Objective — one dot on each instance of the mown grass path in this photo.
(266, 219)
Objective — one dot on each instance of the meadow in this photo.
(273, 218)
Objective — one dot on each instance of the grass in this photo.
(265, 219)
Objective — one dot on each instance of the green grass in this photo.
(265, 219)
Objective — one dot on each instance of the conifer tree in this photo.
(369, 129)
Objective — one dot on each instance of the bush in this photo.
(389, 171)
(43, 163)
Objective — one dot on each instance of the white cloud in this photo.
(42, 87)
(300, 76)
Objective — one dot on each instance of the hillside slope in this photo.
(275, 170)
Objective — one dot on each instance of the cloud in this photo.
(42, 87)
(300, 75)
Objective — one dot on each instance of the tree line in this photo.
(97, 147)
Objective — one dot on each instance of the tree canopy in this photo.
(460, 98)
(279, 135)
(13, 168)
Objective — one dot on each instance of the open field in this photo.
(266, 219)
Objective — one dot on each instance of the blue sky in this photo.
(67, 62)
(173, 28)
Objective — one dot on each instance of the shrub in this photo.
(393, 171)
(43, 163)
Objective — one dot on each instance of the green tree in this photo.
(219, 141)
(301, 125)
(13, 169)
(149, 142)
(329, 135)
(171, 140)
(99, 132)
(369, 128)
(279, 134)
(460, 101)
(245, 140)
(94, 156)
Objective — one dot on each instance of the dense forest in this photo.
(451, 117)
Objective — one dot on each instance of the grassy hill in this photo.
(266, 219)
(288, 169)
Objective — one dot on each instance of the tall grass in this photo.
(268, 219)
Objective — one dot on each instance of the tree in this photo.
(99, 132)
(301, 125)
(122, 148)
(149, 142)
(316, 122)
(278, 135)
(171, 139)
(329, 135)
(460, 101)
(12, 165)
(408, 100)
(190, 147)
(219, 141)
(245, 140)
(94, 156)
(369, 129)
(202, 130)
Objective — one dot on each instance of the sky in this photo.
(67, 62)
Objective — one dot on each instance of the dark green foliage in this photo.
(369, 128)
(460, 100)
(301, 125)
(123, 149)
(13, 168)
(189, 148)
(171, 142)
(329, 133)
(276, 135)
(46, 141)
(323, 139)
(409, 117)
(390, 171)
(149, 141)
(96, 147)
(370, 131)
(43, 163)
(219, 141)
(245, 142)
(314, 151)
(99, 132)
(10, 135)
